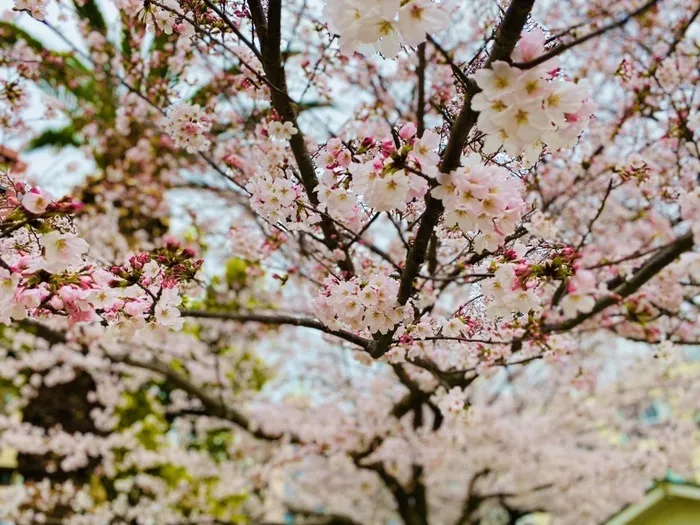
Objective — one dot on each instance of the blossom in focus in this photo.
(576, 303)
(483, 199)
(9, 283)
(523, 110)
(273, 198)
(425, 149)
(507, 296)
(418, 17)
(282, 130)
(35, 202)
(383, 26)
(370, 307)
(580, 298)
(164, 18)
(61, 251)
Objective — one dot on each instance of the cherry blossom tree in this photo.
(420, 262)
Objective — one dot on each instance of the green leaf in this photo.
(160, 41)
(289, 53)
(65, 74)
(89, 11)
(211, 89)
(57, 138)
(10, 34)
(236, 271)
(312, 105)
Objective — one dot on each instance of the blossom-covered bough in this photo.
(347, 262)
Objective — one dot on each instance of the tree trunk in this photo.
(413, 506)
(413, 516)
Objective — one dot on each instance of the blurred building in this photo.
(666, 504)
(9, 161)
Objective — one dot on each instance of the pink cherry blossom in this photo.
(418, 261)
(35, 202)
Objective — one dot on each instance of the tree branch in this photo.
(648, 270)
(270, 35)
(213, 406)
(233, 28)
(507, 36)
(271, 319)
(420, 103)
(558, 50)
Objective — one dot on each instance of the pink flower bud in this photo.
(388, 147)
(407, 131)
(367, 142)
(56, 303)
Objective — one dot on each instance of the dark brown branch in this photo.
(213, 406)
(233, 28)
(269, 34)
(507, 36)
(592, 222)
(647, 271)
(472, 501)
(456, 70)
(680, 342)
(258, 16)
(272, 319)
(559, 293)
(420, 103)
(564, 47)
(680, 34)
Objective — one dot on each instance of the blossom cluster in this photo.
(169, 425)
(386, 188)
(147, 288)
(273, 197)
(281, 130)
(580, 298)
(21, 203)
(334, 192)
(523, 110)
(381, 179)
(451, 403)
(369, 305)
(57, 277)
(508, 294)
(63, 282)
(483, 199)
(515, 286)
(370, 26)
(166, 16)
(36, 8)
(188, 125)
(382, 174)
